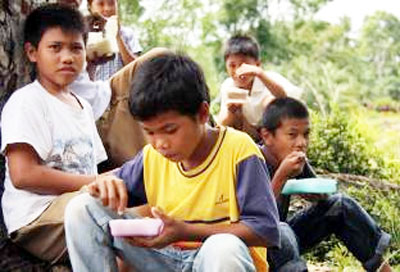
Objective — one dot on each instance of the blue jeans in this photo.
(339, 215)
(92, 248)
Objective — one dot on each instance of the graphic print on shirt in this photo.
(73, 156)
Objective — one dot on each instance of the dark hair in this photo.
(49, 16)
(280, 109)
(171, 82)
(243, 45)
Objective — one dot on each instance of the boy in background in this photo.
(128, 44)
(120, 133)
(49, 137)
(247, 91)
(211, 192)
(285, 130)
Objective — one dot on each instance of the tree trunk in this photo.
(14, 68)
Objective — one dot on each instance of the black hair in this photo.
(48, 16)
(171, 82)
(280, 109)
(243, 45)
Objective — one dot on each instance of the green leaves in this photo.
(338, 145)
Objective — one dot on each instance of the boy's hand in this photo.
(234, 107)
(97, 59)
(111, 190)
(96, 22)
(293, 164)
(172, 232)
(249, 70)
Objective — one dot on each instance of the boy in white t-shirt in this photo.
(49, 135)
(249, 89)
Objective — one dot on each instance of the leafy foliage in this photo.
(338, 146)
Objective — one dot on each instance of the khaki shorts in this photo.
(44, 237)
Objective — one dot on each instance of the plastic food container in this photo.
(310, 186)
(136, 227)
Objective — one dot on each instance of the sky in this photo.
(333, 11)
(357, 10)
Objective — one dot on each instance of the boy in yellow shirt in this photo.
(210, 186)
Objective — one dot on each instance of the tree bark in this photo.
(15, 70)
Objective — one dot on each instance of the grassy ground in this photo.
(384, 128)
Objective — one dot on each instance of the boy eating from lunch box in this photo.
(285, 133)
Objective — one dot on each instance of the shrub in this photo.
(341, 143)
(337, 145)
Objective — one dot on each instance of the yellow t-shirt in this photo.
(211, 193)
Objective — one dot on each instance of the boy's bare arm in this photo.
(291, 166)
(126, 55)
(275, 88)
(232, 116)
(28, 174)
(250, 129)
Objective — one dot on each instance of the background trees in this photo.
(346, 76)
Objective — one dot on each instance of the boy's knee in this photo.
(288, 239)
(226, 247)
(287, 258)
(340, 203)
(224, 252)
(335, 204)
(76, 209)
(224, 244)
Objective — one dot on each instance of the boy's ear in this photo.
(258, 63)
(204, 113)
(267, 136)
(30, 51)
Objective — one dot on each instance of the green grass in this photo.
(380, 134)
(384, 128)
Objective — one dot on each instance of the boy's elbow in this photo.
(21, 180)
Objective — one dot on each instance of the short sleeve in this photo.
(131, 173)
(256, 202)
(23, 120)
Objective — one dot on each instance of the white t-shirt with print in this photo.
(253, 106)
(64, 137)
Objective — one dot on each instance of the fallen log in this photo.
(360, 181)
